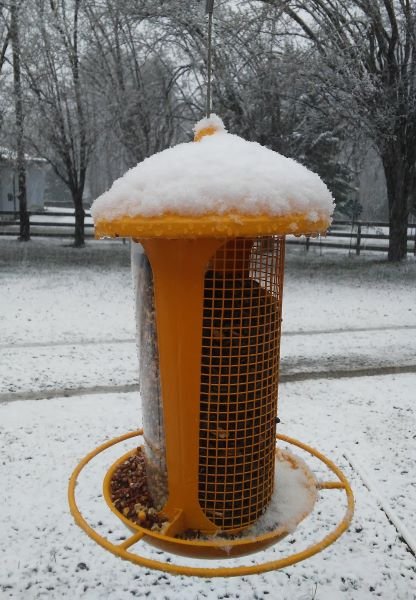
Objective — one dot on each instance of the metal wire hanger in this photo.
(209, 10)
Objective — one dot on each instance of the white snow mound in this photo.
(221, 173)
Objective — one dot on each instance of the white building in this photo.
(36, 171)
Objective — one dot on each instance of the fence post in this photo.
(357, 248)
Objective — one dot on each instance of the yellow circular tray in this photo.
(175, 545)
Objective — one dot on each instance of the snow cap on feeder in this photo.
(222, 186)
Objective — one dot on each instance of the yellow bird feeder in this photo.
(208, 222)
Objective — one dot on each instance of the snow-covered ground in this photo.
(349, 372)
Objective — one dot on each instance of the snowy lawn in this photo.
(70, 326)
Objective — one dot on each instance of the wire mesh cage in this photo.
(239, 380)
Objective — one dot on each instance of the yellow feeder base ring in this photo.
(122, 549)
(212, 546)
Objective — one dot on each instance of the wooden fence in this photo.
(59, 224)
(355, 236)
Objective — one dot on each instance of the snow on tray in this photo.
(219, 174)
(293, 497)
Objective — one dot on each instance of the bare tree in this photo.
(10, 34)
(368, 71)
(61, 130)
(130, 70)
(133, 76)
(14, 35)
(4, 33)
(261, 87)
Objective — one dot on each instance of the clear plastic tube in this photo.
(150, 390)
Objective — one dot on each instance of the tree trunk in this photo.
(24, 219)
(398, 235)
(18, 103)
(79, 236)
(398, 179)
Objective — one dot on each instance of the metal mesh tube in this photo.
(239, 380)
